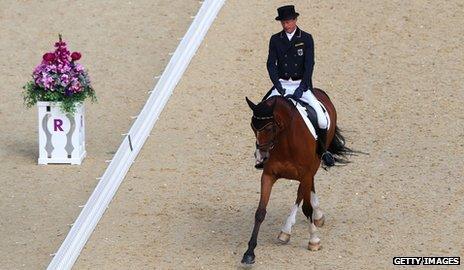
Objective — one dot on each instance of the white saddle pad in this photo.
(308, 123)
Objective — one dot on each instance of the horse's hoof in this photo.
(248, 260)
(314, 247)
(283, 238)
(319, 222)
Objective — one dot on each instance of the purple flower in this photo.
(63, 68)
(50, 68)
(78, 67)
(58, 71)
(47, 82)
(65, 80)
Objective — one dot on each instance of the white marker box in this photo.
(61, 135)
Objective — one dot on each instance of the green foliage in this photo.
(33, 93)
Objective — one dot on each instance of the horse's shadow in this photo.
(227, 231)
(23, 149)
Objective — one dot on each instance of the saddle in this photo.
(311, 113)
(310, 116)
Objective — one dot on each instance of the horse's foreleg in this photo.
(318, 215)
(285, 233)
(266, 186)
(314, 241)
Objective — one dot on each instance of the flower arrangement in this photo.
(58, 78)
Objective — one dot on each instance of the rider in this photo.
(290, 62)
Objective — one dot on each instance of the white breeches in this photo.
(307, 97)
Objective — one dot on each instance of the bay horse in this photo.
(281, 132)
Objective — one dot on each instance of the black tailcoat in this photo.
(291, 59)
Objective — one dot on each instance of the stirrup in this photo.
(328, 159)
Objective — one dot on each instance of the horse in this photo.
(291, 151)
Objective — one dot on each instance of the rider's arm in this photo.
(272, 64)
(309, 64)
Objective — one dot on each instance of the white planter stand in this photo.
(61, 135)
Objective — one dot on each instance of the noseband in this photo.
(270, 145)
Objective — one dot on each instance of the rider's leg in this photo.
(326, 156)
(312, 101)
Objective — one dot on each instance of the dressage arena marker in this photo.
(138, 133)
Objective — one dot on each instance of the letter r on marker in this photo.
(57, 124)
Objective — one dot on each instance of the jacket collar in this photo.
(297, 33)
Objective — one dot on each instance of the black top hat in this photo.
(286, 13)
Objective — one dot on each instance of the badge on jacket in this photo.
(300, 52)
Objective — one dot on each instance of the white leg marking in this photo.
(291, 220)
(313, 238)
(317, 212)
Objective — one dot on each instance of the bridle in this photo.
(269, 145)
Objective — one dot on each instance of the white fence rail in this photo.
(134, 140)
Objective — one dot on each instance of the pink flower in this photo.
(76, 56)
(38, 69)
(75, 85)
(47, 81)
(50, 68)
(79, 68)
(64, 79)
(63, 68)
(49, 57)
(58, 70)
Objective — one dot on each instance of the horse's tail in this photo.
(338, 149)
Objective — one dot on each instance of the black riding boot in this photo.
(326, 156)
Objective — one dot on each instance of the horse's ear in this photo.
(250, 104)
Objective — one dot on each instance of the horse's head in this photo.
(264, 123)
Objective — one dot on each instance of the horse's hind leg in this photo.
(318, 215)
(314, 241)
(284, 235)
